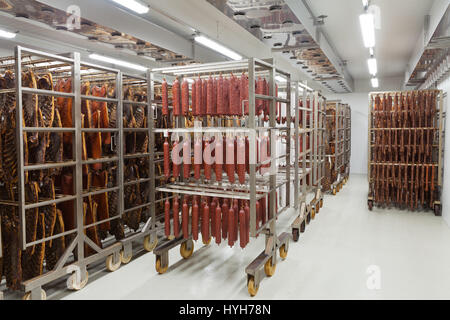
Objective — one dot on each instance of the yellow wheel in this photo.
(334, 191)
(313, 213)
(149, 246)
(72, 282)
(185, 253)
(269, 268)
(252, 288)
(159, 267)
(321, 203)
(110, 265)
(317, 208)
(206, 242)
(124, 259)
(27, 295)
(283, 252)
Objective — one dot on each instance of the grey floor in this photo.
(347, 252)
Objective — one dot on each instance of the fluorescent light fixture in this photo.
(218, 47)
(372, 63)
(7, 34)
(371, 51)
(375, 82)
(368, 29)
(365, 3)
(122, 63)
(133, 5)
(280, 79)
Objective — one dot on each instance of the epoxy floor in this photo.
(347, 252)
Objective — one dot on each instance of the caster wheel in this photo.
(159, 268)
(27, 295)
(303, 227)
(252, 287)
(110, 265)
(283, 252)
(308, 218)
(334, 191)
(317, 208)
(313, 213)
(206, 242)
(269, 268)
(185, 252)
(437, 210)
(370, 205)
(149, 246)
(295, 234)
(124, 259)
(73, 285)
(321, 203)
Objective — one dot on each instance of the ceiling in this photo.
(401, 24)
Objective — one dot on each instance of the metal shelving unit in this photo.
(402, 170)
(256, 186)
(347, 141)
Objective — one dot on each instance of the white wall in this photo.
(446, 181)
(359, 102)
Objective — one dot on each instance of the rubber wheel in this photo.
(185, 253)
(269, 268)
(124, 259)
(295, 235)
(313, 213)
(27, 295)
(252, 288)
(317, 208)
(283, 252)
(437, 210)
(110, 265)
(370, 205)
(149, 246)
(158, 266)
(72, 285)
(334, 191)
(303, 227)
(308, 218)
(321, 203)
(207, 242)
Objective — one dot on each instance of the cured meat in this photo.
(176, 98)
(207, 160)
(210, 96)
(64, 106)
(30, 107)
(12, 253)
(185, 219)
(225, 210)
(234, 96)
(197, 158)
(166, 159)
(165, 98)
(205, 223)
(55, 249)
(46, 104)
(195, 219)
(230, 227)
(129, 122)
(176, 217)
(243, 90)
(242, 228)
(241, 160)
(100, 180)
(187, 158)
(54, 152)
(230, 160)
(219, 158)
(167, 218)
(185, 97)
(132, 196)
(199, 97)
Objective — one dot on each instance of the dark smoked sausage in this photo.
(176, 217)
(231, 221)
(218, 225)
(185, 97)
(210, 96)
(242, 228)
(165, 98)
(205, 223)
(195, 217)
(166, 159)
(225, 210)
(167, 218)
(176, 97)
(185, 219)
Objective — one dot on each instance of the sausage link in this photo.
(187, 158)
(226, 98)
(259, 90)
(214, 105)
(165, 98)
(175, 167)
(236, 219)
(197, 158)
(209, 96)
(207, 158)
(231, 227)
(205, 223)
(212, 216)
(241, 160)
(230, 160)
(176, 97)
(217, 226)
(220, 97)
(219, 158)
(185, 219)
(167, 218)
(234, 96)
(204, 97)
(225, 209)
(166, 159)
(176, 217)
(263, 210)
(199, 97)
(247, 222)
(243, 90)
(242, 229)
(185, 97)
(247, 155)
(194, 98)
(195, 217)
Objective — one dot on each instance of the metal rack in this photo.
(410, 167)
(80, 250)
(347, 141)
(255, 186)
(335, 116)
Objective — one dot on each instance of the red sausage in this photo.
(185, 219)
(214, 105)
(247, 222)
(212, 216)
(234, 94)
(167, 218)
(230, 160)
(219, 158)
(266, 102)
(241, 160)
(205, 223)
(194, 98)
(210, 96)
(242, 228)
(218, 226)
(236, 219)
(187, 158)
(225, 209)
(199, 97)
(226, 97)
(176, 217)
(204, 97)
(259, 90)
(247, 155)
(197, 158)
(195, 220)
(166, 159)
(176, 97)
(263, 210)
(208, 160)
(185, 97)
(175, 167)
(165, 98)
(220, 102)
(258, 213)
(243, 94)
(230, 227)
